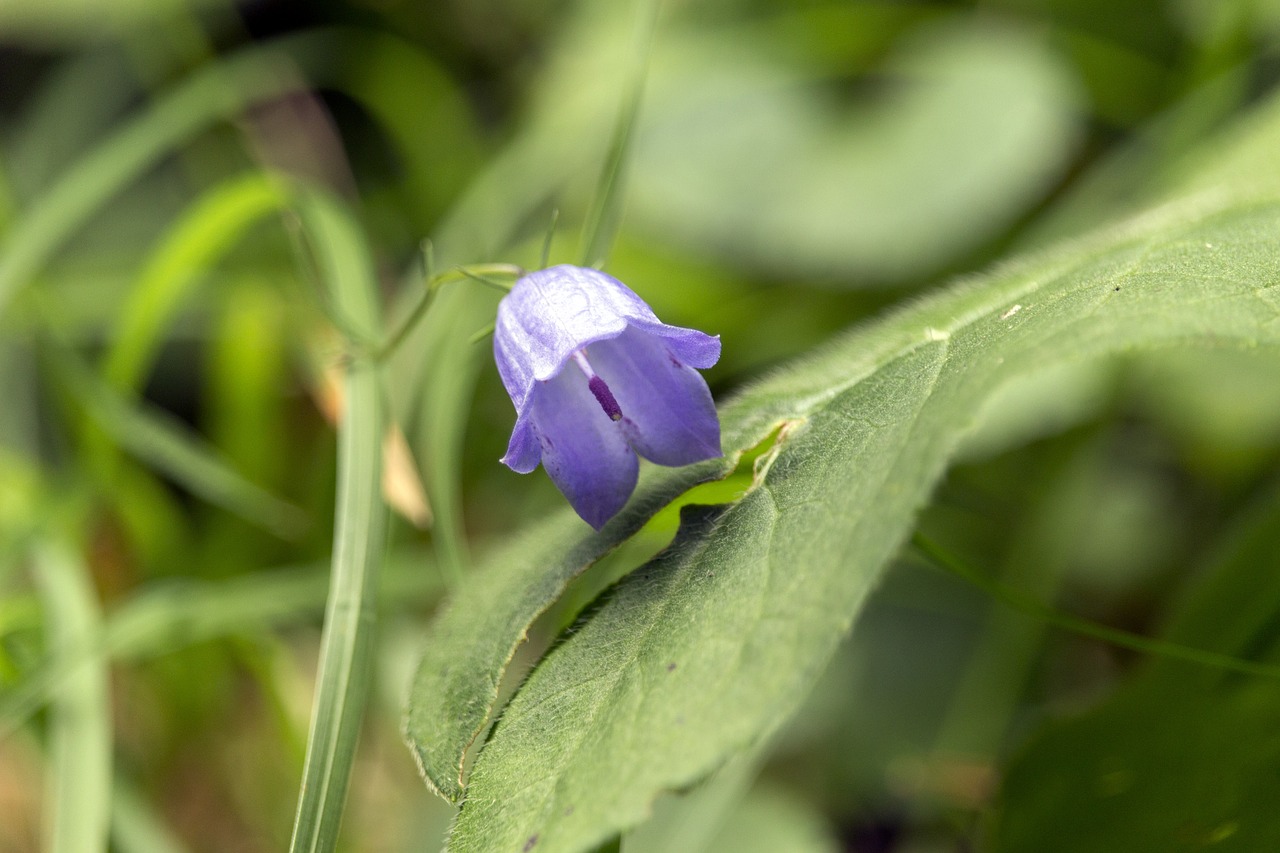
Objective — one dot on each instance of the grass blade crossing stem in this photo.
(346, 653)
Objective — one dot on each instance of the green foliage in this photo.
(80, 741)
(201, 229)
(711, 646)
(346, 647)
(1197, 775)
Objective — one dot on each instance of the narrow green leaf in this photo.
(710, 647)
(605, 214)
(218, 91)
(79, 781)
(172, 615)
(161, 441)
(346, 646)
(194, 243)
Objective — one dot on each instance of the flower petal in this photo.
(550, 314)
(668, 415)
(583, 451)
(524, 452)
(689, 346)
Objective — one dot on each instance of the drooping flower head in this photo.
(597, 378)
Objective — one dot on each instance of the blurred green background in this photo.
(167, 371)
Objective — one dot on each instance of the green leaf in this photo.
(709, 648)
(166, 444)
(744, 152)
(218, 91)
(79, 793)
(205, 232)
(1181, 757)
(167, 616)
(771, 820)
(346, 645)
(471, 644)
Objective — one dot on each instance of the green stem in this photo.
(938, 556)
(79, 792)
(347, 642)
(480, 273)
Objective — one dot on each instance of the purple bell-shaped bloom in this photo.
(596, 378)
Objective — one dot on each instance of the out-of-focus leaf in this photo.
(65, 114)
(770, 820)
(163, 442)
(1181, 758)
(1222, 408)
(219, 91)
(689, 821)
(423, 111)
(744, 155)
(61, 21)
(171, 615)
(79, 798)
(205, 232)
(711, 646)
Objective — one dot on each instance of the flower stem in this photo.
(937, 556)
(480, 272)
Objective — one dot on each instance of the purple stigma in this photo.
(605, 397)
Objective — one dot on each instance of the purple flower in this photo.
(596, 378)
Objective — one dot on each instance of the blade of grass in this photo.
(161, 442)
(205, 232)
(605, 213)
(216, 92)
(346, 645)
(79, 740)
(172, 615)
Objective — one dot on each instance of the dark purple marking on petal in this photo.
(583, 451)
(670, 416)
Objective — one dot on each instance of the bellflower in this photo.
(596, 378)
